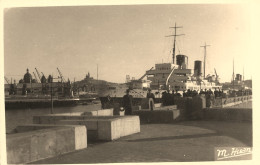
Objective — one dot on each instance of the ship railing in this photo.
(221, 102)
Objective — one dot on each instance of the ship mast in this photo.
(205, 54)
(174, 41)
(233, 75)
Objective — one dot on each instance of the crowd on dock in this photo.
(216, 93)
(168, 96)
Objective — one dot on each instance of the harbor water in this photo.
(15, 117)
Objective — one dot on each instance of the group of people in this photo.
(192, 93)
(168, 97)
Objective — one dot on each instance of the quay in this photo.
(39, 102)
(183, 142)
(187, 131)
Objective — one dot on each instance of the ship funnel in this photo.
(197, 68)
(238, 77)
(182, 61)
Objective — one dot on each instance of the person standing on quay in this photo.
(150, 95)
(127, 103)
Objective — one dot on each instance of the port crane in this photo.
(217, 76)
(61, 77)
(7, 80)
(35, 77)
(216, 73)
(43, 75)
(38, 74)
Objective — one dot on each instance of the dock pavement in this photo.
(179, 142)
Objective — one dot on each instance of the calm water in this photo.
(17, 117)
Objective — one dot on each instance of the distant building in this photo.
(28, 86)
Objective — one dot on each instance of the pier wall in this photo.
(158, 116)
(103, 112)
(101, 127)
(228, 114)
(35, 142)
(190, 108)
(195, 108)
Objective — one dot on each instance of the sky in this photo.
(125, 39)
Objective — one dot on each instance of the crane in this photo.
(144, 75)
(42, 74)
(217, 78)
(7, 80)
(35, 77)
(38, 74)
(62, 78)
(216, 73)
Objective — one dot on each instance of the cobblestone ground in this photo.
(184, 141)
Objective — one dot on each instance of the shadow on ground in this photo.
(241, 131)
(175, 137)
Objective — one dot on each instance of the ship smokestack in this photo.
(197, 68)
(182, 61)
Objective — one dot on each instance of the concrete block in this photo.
(104, 130)
(102, 112)
(105, 112)
(130, 125)
(91, 124)
(169, 107)
(18, 149)
(32, 127)
(43, 145)
(68, 114)
(80, 138)
(91, 113)
(109, 129)
(122, 113)
(157, 105)
(65, 142)
(37, 142)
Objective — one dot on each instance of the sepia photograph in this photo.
(127, 83)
